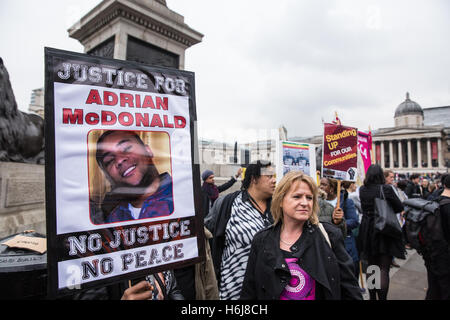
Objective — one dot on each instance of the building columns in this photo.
(419, 154)
(403, 149)
(429, 162)
(400, 154)
(440, 154)
(391, 155)
(409, 154)
(373, 154)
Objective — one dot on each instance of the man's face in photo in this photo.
(126, 160)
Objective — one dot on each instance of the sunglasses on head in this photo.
(263, 163)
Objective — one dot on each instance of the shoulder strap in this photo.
(382, 192)
(325, 234)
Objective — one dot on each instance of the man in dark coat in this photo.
(437, 260)
(413, 188)
(437, 193)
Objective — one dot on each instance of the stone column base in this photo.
(22, 198)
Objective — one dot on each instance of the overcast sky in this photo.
(265, 63)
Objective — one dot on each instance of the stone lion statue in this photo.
(21, 134)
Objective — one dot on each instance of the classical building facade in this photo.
(262, 148)
(419, 141)
(213, 152)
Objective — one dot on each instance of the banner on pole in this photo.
(122, 189)
(364, 155)
(339, 159)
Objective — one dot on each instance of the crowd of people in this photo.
(306, 240)
(298, 239)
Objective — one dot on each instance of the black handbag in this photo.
(386, 221)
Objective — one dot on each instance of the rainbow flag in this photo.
(295, 145)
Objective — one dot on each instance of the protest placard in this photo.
(122, 189)
(339, 159)
(296, 156)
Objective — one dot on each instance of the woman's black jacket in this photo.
(332, 269)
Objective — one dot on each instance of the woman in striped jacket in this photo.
(250, 213)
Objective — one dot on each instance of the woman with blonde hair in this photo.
(298, 258)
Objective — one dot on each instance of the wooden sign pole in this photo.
(338, 193)
(361, 274)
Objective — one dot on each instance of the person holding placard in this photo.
(327, 213)
(347, 209)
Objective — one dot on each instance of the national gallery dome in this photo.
(408, 113)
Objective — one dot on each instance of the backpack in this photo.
(423, 227)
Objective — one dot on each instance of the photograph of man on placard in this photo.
(295, 159)
(135, 188)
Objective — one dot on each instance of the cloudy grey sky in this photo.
(265, 63)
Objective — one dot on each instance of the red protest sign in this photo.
(340, 147)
